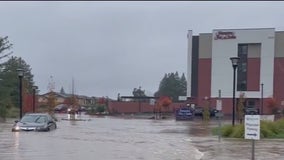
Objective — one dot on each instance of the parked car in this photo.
(62, 108)
(35, 122)
(82, 109)
(184, 113)
(251, 110)
(198, 111)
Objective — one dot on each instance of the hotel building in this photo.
(260, 71)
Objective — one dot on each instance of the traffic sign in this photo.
(252, 127)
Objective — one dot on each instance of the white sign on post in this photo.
(182, 98)
(252, 127)
(219, 104)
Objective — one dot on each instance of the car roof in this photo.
(39, 114)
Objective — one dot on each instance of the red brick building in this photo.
(209, 70)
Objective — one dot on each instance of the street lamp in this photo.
(34, 99)
(261, 98)
(20, 75)
(235, 61)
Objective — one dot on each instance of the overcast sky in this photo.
(113, 47)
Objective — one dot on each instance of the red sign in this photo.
(225, 35)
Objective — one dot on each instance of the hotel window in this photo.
(242, 68)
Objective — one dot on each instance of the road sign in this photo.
(219, 104)
(252, 127)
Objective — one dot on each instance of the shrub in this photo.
(280, 126)
(3, 111)
(265, 130)
(13, 112)
(227, 130)
(268, 129)
(273, 127)
(100, 108)
(238, 131)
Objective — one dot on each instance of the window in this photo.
(244, 49)
(242, 68)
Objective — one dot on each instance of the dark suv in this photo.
(251, 110)
(198, 111)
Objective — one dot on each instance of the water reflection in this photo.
(107, 138)
(73, 122)
(16, 144)
(16, 140)
(114, 138)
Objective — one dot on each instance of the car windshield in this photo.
(34, 118)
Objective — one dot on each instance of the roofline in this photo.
(136, 97)
(41, 113)
(243, 29)
(227, 29)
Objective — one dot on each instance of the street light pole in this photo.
(34, 99)
(235, 61)
(261, 98)
(20, 75)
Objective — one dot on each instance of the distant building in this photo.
(62, 98)
(261, 52)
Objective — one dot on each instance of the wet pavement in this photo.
(120, 138)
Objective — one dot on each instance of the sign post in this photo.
(219, 114)
(252, 130)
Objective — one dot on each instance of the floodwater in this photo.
(118, 138)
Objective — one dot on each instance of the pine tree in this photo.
(10, 81)
(4, 46)
(183, 85)
(173, 86)
(62, 90)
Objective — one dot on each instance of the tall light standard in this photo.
(34, 99)
(20, 75)
(235, 61)
(261, 98)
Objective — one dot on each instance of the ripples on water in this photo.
(101, 138)
(110, 138)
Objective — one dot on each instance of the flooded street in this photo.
(112, 138)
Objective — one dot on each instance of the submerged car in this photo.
(35, 122)
(198, 111)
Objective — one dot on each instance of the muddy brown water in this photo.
(120, 138)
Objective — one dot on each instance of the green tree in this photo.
(240, 108)
(138, 92)
(62, 91)
(172, 85)
(5, 45)
(51, 102)
(206, 112)
(9, 88)
(183, 85)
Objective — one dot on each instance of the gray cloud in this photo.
(113, 47)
